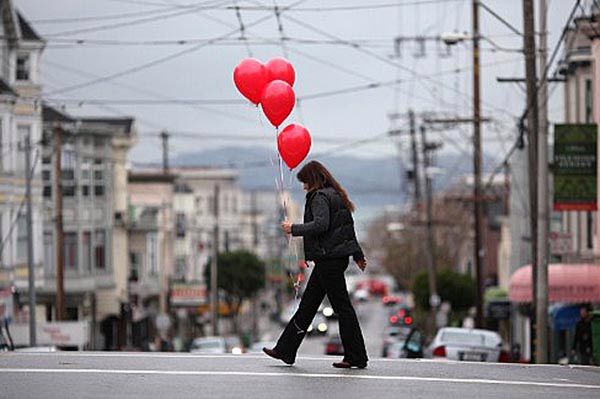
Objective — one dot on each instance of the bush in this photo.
(456, 288)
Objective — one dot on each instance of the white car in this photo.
(209, 345)
(466, 344)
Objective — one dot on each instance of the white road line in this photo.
(167, 355)
(303, 375)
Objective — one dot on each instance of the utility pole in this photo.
(543, 249)
(415, 156)
(164, 136)
(58, 222)
(30, 260)
(434, 299)
(532, 135)
(477, 191)
(214, 298)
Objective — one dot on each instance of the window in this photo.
(86, 246)
(590, 230)
(85, 174)
(68, 190)
(21, 237)
(589, 101)
(70, 251)
(180, 268)
(46, 175)
(85, 191)
(97, 175)
(23, 68)
(152, 253)
(47, 191)
(49, 251)
(180, 225)
(22, 132)
(47, 160)
(99, 191)
(100, 250)
(134, 266)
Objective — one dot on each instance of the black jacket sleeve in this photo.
(320, 223)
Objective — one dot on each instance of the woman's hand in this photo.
(362, 264)
(286, 225)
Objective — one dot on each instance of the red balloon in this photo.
(250, 78)
(281, 69)
(293, 144)
(277, 101)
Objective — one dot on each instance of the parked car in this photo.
(234, 345)
(467, 344)
(334, 346)
(209, 345)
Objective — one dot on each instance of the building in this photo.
(95, 248)
(20, 116)
(151, 225)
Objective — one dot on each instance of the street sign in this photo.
(575, 159)
(188, 294)
(561, 243)
(66, 333)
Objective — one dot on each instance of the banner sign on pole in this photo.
(575, 159)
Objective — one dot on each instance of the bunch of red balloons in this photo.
(270, 85)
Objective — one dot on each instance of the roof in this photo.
(150, 177)
(50, 114)
(6, 89)
(27, 32)
(126, 122)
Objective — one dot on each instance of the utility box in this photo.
(596, 336)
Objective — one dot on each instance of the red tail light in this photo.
(401, 313)
(408, 320)
(504, 357)
(393, 319)
(440, 351)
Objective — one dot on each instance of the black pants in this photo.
(326, 278)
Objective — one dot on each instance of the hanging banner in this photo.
(575, 159)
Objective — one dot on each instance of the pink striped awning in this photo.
(570, 283)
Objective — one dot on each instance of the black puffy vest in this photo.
(340, 238)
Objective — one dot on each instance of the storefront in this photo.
(569, 285)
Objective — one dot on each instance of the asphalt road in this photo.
(164, 375)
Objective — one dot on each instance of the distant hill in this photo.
(372, 183)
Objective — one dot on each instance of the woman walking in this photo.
(329, 241)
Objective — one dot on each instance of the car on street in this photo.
(391, 335)
(361, 295)
(467, 344)
(318, 325)
(334, 346)
(209, 345)
(400, 315)
(233, 345)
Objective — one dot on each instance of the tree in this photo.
(456, 288)
(240, 275)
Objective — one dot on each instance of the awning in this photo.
(571, 283)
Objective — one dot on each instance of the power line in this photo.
(116, 25)
(152, 63)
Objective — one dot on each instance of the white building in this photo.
(20, 116)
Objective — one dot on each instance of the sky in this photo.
(333, 45)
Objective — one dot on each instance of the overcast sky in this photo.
(322, 64)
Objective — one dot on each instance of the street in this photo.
(145, 375)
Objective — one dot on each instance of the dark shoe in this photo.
(275, 355)
(347, 365)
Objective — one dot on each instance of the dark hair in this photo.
(317, 177)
